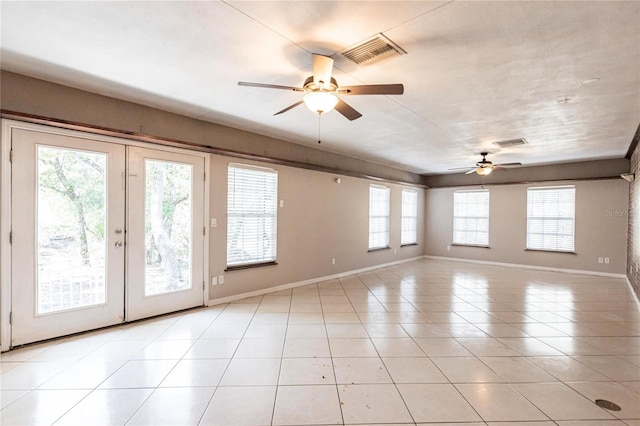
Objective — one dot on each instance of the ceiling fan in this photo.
(322, 92)
(484, 166)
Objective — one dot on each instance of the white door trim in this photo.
(5, 229)
(5, 206)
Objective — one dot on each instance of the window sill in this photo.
(408, 245)
(249, 266)
(551, 251)
(469, 245)
(378, 249)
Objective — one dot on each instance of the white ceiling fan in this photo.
(322, 93)
(484, 166)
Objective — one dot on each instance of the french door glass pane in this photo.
(168, 238)
(71, 223)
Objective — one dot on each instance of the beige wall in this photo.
(601, 227)
(22, 94)
(320, 220)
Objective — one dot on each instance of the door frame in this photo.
(5, 207)
(139, 305)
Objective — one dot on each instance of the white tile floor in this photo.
(425, 342)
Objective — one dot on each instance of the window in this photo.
(378, 217)
(409, 225)
(551, 218)
(471, 218)
(251, 215)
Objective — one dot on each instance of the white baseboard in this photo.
(517, 265)
(633, 293)
(544, 268)
(305, 282)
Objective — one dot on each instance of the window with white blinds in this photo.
(409, 225)
(251, 215)
(378, 217)
(551, 218)
(471, 218)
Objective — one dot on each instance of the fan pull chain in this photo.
(319, 115)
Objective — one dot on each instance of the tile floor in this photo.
(425, 342)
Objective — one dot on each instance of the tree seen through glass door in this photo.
(168, 205)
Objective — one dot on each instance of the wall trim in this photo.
(524, 182)
(159, 140)
(288, 286)
(634, 143)
(633, 293)
(517, 265)
(543, 268)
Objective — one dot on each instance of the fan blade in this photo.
(462, 168)
(322, 68)
(345, 109)
(508, 164)
(289, 107)
(270, 86)
(470, 171)
(372, 89)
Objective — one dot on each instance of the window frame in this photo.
(413, 216)
(269, 214)
(556, 220)
(374, 218)
(458, 218)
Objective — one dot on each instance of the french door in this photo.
(165, 232)
(102, 233)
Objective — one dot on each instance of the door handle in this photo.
(118, 243)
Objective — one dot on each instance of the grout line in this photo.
(385, 278)
(333, 366)
(284, 343)
(228, 363)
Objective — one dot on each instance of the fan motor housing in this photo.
(310, 86)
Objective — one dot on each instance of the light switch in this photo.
(214, 222)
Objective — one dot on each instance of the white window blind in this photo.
(378, 217)
(409, 225)
(251, 215)
(471, 218)
(551, 218)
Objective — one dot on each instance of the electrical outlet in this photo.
(395, 251)
(221, 279)
(214, 280)
(333, 260)
(606, 260)
(448, 248)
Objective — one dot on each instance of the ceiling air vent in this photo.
(373, 49)
(511, 142)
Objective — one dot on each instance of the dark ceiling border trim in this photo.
(159, 140)
(634, 144)
(529, 182)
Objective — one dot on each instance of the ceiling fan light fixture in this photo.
(320, 102)
(484, 171)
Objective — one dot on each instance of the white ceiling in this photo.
(475, 72)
